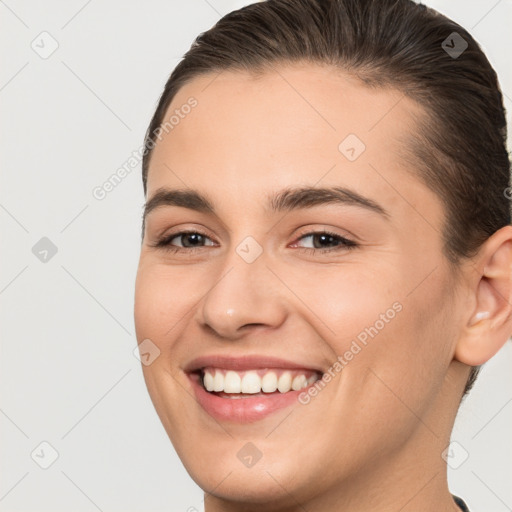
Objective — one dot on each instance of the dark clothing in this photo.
(460, 504)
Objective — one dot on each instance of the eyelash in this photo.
(345, 243)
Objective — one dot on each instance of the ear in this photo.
(489, 324)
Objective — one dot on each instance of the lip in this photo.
(250, 408)
(242, 410)
(247, 362)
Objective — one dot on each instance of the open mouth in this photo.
(251, 395)
(250, 387)
(257, 382)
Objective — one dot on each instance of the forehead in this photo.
(301, 124)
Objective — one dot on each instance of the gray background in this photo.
(68, 373)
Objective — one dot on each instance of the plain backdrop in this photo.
(79, 82)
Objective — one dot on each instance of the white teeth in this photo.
(218, 381)
(232, 382)
(250, 382)
(284, 383)
(311, 380)
(269, 382)
(299, 382)
(208, 381)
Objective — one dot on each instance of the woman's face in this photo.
(262, 296)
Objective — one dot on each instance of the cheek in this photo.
(392, 337)
(403, 366)
(150, 298)
(162, 301)
(351, 302)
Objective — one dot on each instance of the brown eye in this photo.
(186, 240)
(322, 239)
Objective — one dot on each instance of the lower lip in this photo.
(242, 410)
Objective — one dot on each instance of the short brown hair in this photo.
(459, 150)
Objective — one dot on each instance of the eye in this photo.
(322, 239)
(194, 240)
(190, 240)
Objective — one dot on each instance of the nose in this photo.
(242, 297)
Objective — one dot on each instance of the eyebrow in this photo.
(284, 201)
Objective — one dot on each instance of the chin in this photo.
(249, 487)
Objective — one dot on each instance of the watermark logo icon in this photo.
(44, 250)
(44, 45)
(146, 352)
(351, 147)
(249, 250)
(454, 45)
(455, 455)
(249, 455)
(44, 455)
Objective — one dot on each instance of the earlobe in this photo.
(490, 323)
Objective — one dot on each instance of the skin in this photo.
(372, 439)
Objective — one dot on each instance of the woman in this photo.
(326, 253)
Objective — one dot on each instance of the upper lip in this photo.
(248, 362)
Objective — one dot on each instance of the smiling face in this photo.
(371, 303)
